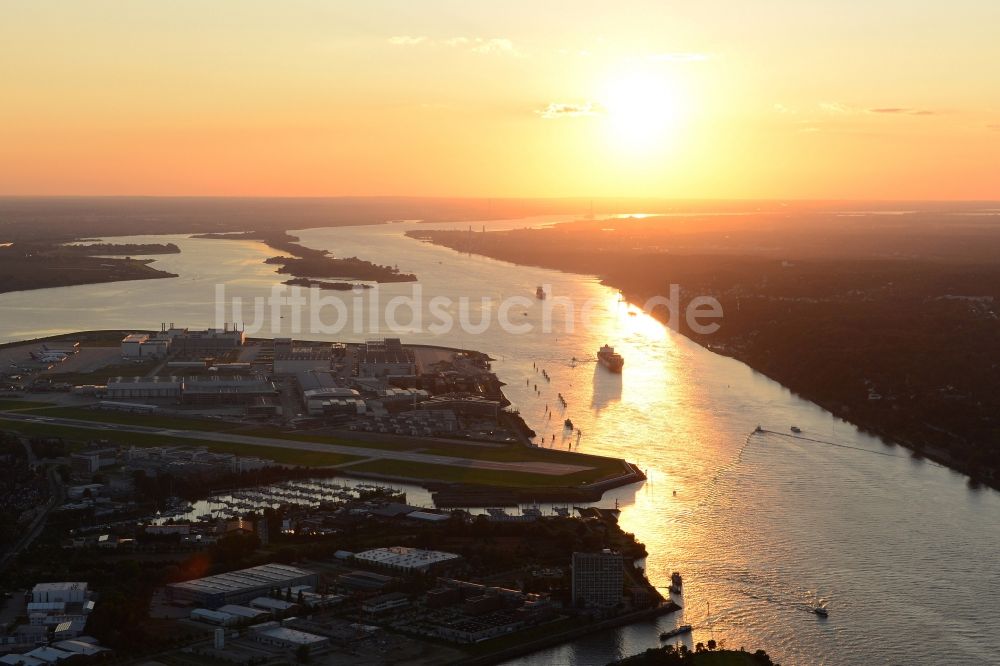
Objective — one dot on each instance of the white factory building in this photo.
(409, 560)
(64, 593)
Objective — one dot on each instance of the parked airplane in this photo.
(49, 357)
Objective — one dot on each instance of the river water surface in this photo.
(763, 526)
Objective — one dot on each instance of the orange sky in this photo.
(770, 99)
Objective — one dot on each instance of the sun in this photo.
(643, 109)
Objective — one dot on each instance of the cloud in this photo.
(903, 111)
(679, 57)
(994, 126)
(568, 110)
(406, 40)
(483, 45)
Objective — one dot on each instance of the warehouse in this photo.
(214, 617)
(239, 586)
(272, 633)
(409, 560)
(228, 390)
(125, 388)
(64, 593)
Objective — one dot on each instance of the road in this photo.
(57, 496)
(528, 467)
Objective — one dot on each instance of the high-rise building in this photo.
(598, 579)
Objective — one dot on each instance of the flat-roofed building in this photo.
(209, 616)
(271, 605)
(410, 560)
(240, 586)
(65, 592)
(364, 581)
(130, 388)
(384, 603)
(50, 655)
(385, 358)
(207, 341)
(272, 633)
(20, 660)
(302, 359)
(244, 613)
(228, 389)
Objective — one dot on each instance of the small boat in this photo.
(568, 424)
(796, 429)
(683, 629)
(820, 611)
(540, 293)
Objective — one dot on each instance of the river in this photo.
(763, 526)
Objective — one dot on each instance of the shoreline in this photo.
(450, 494)
(570, 635)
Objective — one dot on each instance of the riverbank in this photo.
(578, 631)
(881, 343)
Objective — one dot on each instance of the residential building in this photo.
(598, 579)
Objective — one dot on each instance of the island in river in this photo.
(306, 262)
(889, 322)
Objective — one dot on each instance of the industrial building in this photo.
(130, 388)
(598, 579)
(210, 341)
(409, 560)
(66, 593)
(197, 390)
(244, 613)
(239, 586)
(364, 581)
(384, 603)
(142, 345)
(385, 358)
(92, 460)
(272, 633)
(302, 359)
(227, 390)
(214, 617)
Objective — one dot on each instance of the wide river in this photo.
(763, 526)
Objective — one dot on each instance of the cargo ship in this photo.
(609, 359)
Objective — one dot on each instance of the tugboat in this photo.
(796, 429)
(676, 582)
(683, 629)
(568, 424)
(540, 293)
(820, 611)
(610, 360)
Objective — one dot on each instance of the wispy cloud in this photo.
(903, 111)
(568, 110)
(994, 126)
(483, 45)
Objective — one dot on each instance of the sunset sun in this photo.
(643, 110)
